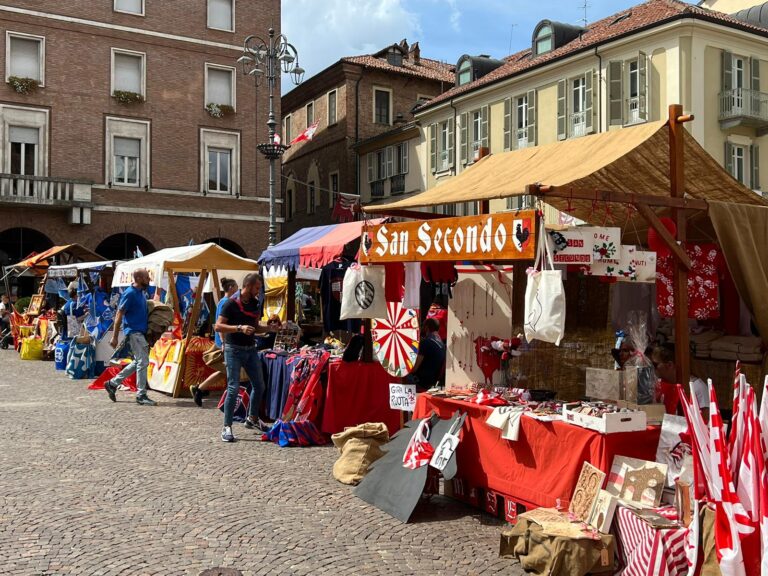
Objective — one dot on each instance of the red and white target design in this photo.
(396, 339)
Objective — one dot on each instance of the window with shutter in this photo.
(530, 101)
(642, 94)
(390, 163)
(754, 161)
(521, 122)
(404, 158)
(562, 126)
(589, 110)
(757, 105)
(465, 137)
(433, 147)
(26, 57)
(219, 86)
(451, 143)
(615, 93)
(484, 126)
(728, 158)
(221, 15)
(130, 6)
(727, 71)
(508, 124)
(128, 72)
(371, 167)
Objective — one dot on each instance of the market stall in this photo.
(176, 359)
(631, 183)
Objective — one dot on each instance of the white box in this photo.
(608, 423)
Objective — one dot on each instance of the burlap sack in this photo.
(360, 446)
(556, 556)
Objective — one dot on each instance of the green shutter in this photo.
(642, 92)
(371, 165)
(433, 147)
(562, 110)
(754, 70)
(754, 159)
(727, 71)
(589, 109)
(390, 162)
(531, 97)
(729, 158)
(464, 137)
(484, 126)
(615, 93)
(508, 124)
(451, 143)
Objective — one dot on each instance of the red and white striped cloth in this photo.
(646, 551)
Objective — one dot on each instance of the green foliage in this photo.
(23, 85)
(127, 97)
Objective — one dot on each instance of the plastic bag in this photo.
(639, 381)
(31, 348)
(544, 296)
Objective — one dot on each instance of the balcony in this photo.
(522, 137)
(377, 189)
(633, 110)
(744, 107)
(397, 184)
(47, 192)
(578, 124)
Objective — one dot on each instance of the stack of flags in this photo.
(731, 475)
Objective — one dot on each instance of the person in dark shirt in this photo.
(430, 360)
(239, 324)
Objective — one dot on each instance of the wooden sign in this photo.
(402, 397)
(503, 236)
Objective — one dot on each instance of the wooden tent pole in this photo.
(216, 287)
(680, 278)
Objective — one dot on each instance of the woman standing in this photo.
(229, 287)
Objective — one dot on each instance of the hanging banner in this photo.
(578, 249)
(504, 236)
(632, 266)
(606, 242)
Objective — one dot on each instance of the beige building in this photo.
(620, 71)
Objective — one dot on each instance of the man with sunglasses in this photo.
(663, 358)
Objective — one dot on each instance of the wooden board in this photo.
(488, 237)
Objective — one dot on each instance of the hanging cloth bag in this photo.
(544, 296)
(363, 293)
(419, 451)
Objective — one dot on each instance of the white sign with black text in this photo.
(402, 397)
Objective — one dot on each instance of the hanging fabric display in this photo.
(544, 297)
(363, 295)
(412, 285)
(703, 282)
(396, 339)
(276, 293)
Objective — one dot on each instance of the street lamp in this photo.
(266, 59)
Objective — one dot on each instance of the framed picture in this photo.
(35, 305)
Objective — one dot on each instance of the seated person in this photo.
(663, 358)
(5, 313)
(431, 358)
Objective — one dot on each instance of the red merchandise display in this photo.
(358, 392)
(703, 282)
(544, 464)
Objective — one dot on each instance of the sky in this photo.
(325, 30)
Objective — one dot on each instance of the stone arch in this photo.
(18, 243)
(123, 246)
(227, 244)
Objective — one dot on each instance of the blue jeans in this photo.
(247, 358)
(140, 350)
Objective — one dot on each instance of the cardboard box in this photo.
(637, 385)
(608, 423)
(654, 412)
(603, 384)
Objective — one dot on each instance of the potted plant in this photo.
(219, 110)
(127, 97)
(23, 85)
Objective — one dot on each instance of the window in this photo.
(334, 188)
(395, 57)
(25, 57)
(331, 107)
(311, 198)
(382, 103)
(130, 6)
(219, 170)
(579, 103)
(627, 91)
(738, 84)
(441, 146)
(521, 107)
(443, 161)
(464, 75)
(476, 136)
(401, 158)
(310, 113)
(543, 42)
(289, 204)
(24, 150)
(127, 72)
(287, 129)
(219, 85)
(737, 162)
(221, 15)
(127, 161)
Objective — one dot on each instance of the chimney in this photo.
(404, 45)
(415, 53)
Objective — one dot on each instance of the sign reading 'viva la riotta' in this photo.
(505, 236)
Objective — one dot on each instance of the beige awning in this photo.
(631, 160)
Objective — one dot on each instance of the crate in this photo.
(607, 423)
(654, 412)
(603, 384)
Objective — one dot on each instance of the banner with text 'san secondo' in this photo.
(505, 236)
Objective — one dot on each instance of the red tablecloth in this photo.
(544, 464)
(358, 392)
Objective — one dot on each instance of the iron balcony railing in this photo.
(522, 137)
(744, 103)
(377, 189)
(578, 124)
(397, 184)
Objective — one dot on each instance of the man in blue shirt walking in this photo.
(132, 316)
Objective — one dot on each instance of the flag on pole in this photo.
(697, 429)
(737, 436)
(307, 134)
(750, 478)
(763, 427)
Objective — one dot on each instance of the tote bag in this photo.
(363, 293)
(544, 297)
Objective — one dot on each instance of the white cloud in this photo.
(325, 30)
(455, 15)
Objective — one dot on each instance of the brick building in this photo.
(353, 100)
(107, 136)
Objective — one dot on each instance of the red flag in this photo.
(699, 434)
(345, 207)
(307, 134)
(750, 478)
(737, 438)
(763, 438)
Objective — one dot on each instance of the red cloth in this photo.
(544, 464)
(394, 281)
(111, 372)
(439, 272)
(667, 393)
(358, 392)
(703, 282)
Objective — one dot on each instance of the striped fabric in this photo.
(646, 551)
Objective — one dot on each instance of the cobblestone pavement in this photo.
(92, 487)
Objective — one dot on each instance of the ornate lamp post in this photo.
(267, 59)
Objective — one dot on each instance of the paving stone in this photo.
(93, 487)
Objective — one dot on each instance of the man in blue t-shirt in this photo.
(132, 316)
(430, 361)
